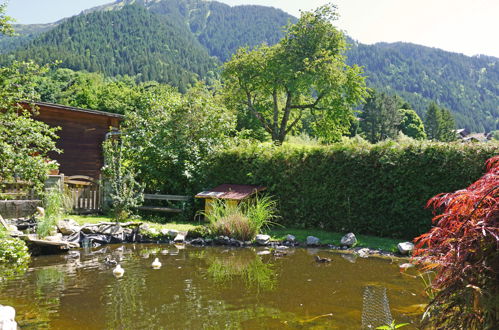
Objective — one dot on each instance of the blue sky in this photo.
(463, 26)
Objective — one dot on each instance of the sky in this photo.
(463, 26)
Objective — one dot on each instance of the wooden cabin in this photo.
(80, 138)
(232, 193)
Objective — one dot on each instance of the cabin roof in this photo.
(231, 191)
(75, 109)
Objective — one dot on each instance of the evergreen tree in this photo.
(439, 124)
(380, 117)
(411, 124)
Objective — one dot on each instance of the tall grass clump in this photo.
(242, 221)
(53, 202)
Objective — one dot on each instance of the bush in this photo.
(14, 256)
(378, 189)
(463, 248)
(243, 221)
(53, 202)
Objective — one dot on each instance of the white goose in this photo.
(118, 271)
(156, 264)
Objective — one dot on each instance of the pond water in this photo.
(212, 288)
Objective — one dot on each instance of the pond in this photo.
(212, 288)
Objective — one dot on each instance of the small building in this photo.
(80, 138)
(232, 193)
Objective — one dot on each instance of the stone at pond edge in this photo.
(405, 247)
(363, 253)
(348, 240)
(68, 227)
(7, 318)
(312, 240)
(290, 238)
(179, 238)
(173, 233)
(262, 239)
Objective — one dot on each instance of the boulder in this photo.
(262, 239)
(7, 318)
(164, 232)
(172, 232)
(363, 253)
(68, 227)
(405, 247)
(40, 212)
(348, 240)
(54, 238)
(198, 241)
(180, 238)
(312, 240)
(290, 238)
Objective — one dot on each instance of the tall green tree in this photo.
(5, 22)
(304, 72)
(439, 123)
(411, 124)
(24, 142)
(380, 117)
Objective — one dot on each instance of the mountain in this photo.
(468, 86)
(178, 41)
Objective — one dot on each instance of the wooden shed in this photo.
(81, 136)
(232, 193)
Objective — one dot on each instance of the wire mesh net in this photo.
(375, 307)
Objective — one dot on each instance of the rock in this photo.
(164, 232)
(54, 238)
(262, 239)
(312, 240)
(363, 253)
(7, 318)
(405, 247)
(153, 232)
(198, 241)
(235, 242)
(173, 233)
(68, 227)
(222, 240)
(290, 238)
(179, 238)
(40, 212)
(348, 240)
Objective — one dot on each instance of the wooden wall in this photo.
(81, 137)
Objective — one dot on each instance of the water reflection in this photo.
(246, 265)
(200, 288)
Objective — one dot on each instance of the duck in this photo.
(118, 271)
(156, 264)
(322, 260)
(110, 262)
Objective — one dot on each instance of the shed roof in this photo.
(75, 109)
(231, 191)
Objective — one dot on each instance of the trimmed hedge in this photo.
(379, 189)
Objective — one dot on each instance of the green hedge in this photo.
(377, 189)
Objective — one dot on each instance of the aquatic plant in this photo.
(14, 256)
(392, 326)
(463, 250)
(241, 221)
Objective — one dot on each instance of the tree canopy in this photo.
(304, 72)
(439, 123)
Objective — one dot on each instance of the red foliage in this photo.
(463, 249)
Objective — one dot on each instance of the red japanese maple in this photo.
(463, 250)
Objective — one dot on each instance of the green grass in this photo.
(83, 219)
(326, 237)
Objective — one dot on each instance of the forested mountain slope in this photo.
(469, 86)
(130, 41)
(172, 41)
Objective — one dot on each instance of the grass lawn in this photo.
(326, 237)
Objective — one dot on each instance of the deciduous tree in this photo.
(304, 72)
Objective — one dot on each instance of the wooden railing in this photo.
(19, 190)
(85, 193)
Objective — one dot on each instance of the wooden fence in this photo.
(84, 192)
(18, 190)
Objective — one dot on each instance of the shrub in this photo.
(243, 221)
(14, 256)
(463, 248)
(378, 189)
(54, 205)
